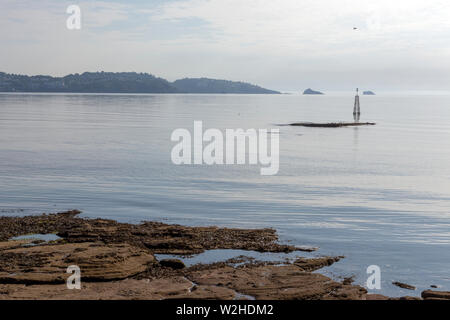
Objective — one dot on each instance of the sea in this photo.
(378, 195)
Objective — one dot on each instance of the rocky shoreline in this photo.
(117, 261)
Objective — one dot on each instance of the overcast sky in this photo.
(284, 44)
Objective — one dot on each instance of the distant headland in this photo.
(311, 91)
(368, 93)
(123, 82)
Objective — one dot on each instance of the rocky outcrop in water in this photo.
(435, 295)
(47, 264)
(154, 236)
(311, 91)
(404, 285)
(331, 124)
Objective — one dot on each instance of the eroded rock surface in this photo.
(218, 281)
(48, 263)
(128, 289)
(157, 237)
(403, 285)
(288, 282)
(315, 263)
(117, 262)
(436, 295)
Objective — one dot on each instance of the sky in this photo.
(286, 45)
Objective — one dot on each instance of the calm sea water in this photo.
(378, 195)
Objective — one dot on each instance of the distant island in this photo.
(123, 82)
(368, 93)
(311, 91)
(205, 85)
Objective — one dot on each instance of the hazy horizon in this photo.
(285, 46)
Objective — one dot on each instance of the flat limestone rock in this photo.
(315, 263)
(117, 262)
(48, 263)
(435, 295)
(39, 272)
(128, 289)
(14, 244)
(268, 282)
(403, 285)
(155, 236)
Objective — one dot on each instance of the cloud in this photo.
(102, 13)
(282, 44)
(316, 40)
(309, 25)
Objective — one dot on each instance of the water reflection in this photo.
(110, 157)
